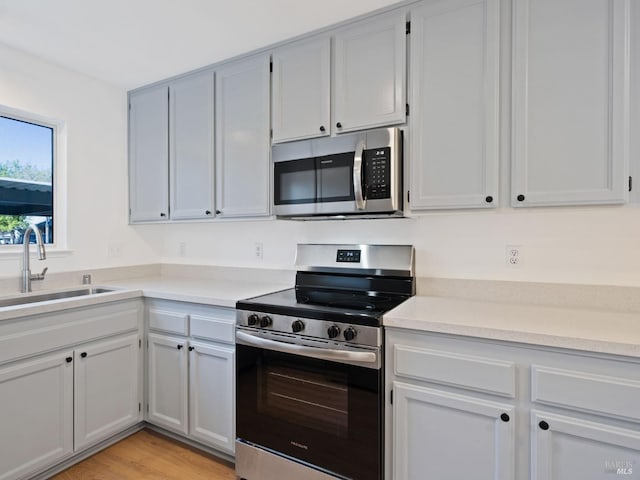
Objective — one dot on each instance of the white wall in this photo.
(95, 121)
(566, 245)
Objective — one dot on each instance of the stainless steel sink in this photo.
(44, 297)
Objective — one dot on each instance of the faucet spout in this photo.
(42, 255)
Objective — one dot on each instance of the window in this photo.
(26, 179)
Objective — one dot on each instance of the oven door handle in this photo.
(313, 352)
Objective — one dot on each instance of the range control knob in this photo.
(349, 334)
(297, 326)
(253, 319)
(266, 321)
(333, 331)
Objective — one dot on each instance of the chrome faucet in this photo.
(42, 254)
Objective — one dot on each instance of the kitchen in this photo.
(460, 252)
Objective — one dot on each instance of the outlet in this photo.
(114, 249)
(182, 249)
(513, 256)
(257, 247)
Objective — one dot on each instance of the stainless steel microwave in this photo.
(350, 175)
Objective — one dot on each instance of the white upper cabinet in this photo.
(171, 150)
(454, 142)
(243, 138)
(301, 90)
(570, 102)
(370, 73)
(191, 142)
(149, 155)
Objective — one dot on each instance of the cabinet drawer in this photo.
(458, 370)
(168, 321)
(608, 395)
(48, 332)
(220, 327)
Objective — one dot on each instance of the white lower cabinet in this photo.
(479, 409)
(54, 405)
(36, 418)
(442, 435)
(211, 407)
(168, 382)
(107, 386)
(565, 447)
(191, 375)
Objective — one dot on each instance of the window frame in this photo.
(58, 177)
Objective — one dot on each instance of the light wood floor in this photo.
(149, 455)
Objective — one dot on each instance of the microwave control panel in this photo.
(377, 173)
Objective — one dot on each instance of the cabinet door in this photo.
(168, 382)
(565, 448)
(242, 138)
(446, 436)
(149, 155)
(454, 145)
(301, 89)
(370, 73)
(570, 102)
(36, 416)
(107, 389)
(191, 141)
(212, 400)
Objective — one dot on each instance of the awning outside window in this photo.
(23, 197)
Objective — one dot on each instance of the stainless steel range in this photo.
(309, 386)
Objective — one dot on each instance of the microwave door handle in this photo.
(357, 175)
(313, 352)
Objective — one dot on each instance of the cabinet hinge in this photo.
(139, 407)
(271, 67)
(391, 397)
(630, 182)
(406, 110)
(408, 30)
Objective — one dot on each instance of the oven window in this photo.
(318, 400)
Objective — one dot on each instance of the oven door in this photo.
(324, 413)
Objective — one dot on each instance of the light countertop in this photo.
(221, 292)
(216, 291)
(580, 329)
(594, 330)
